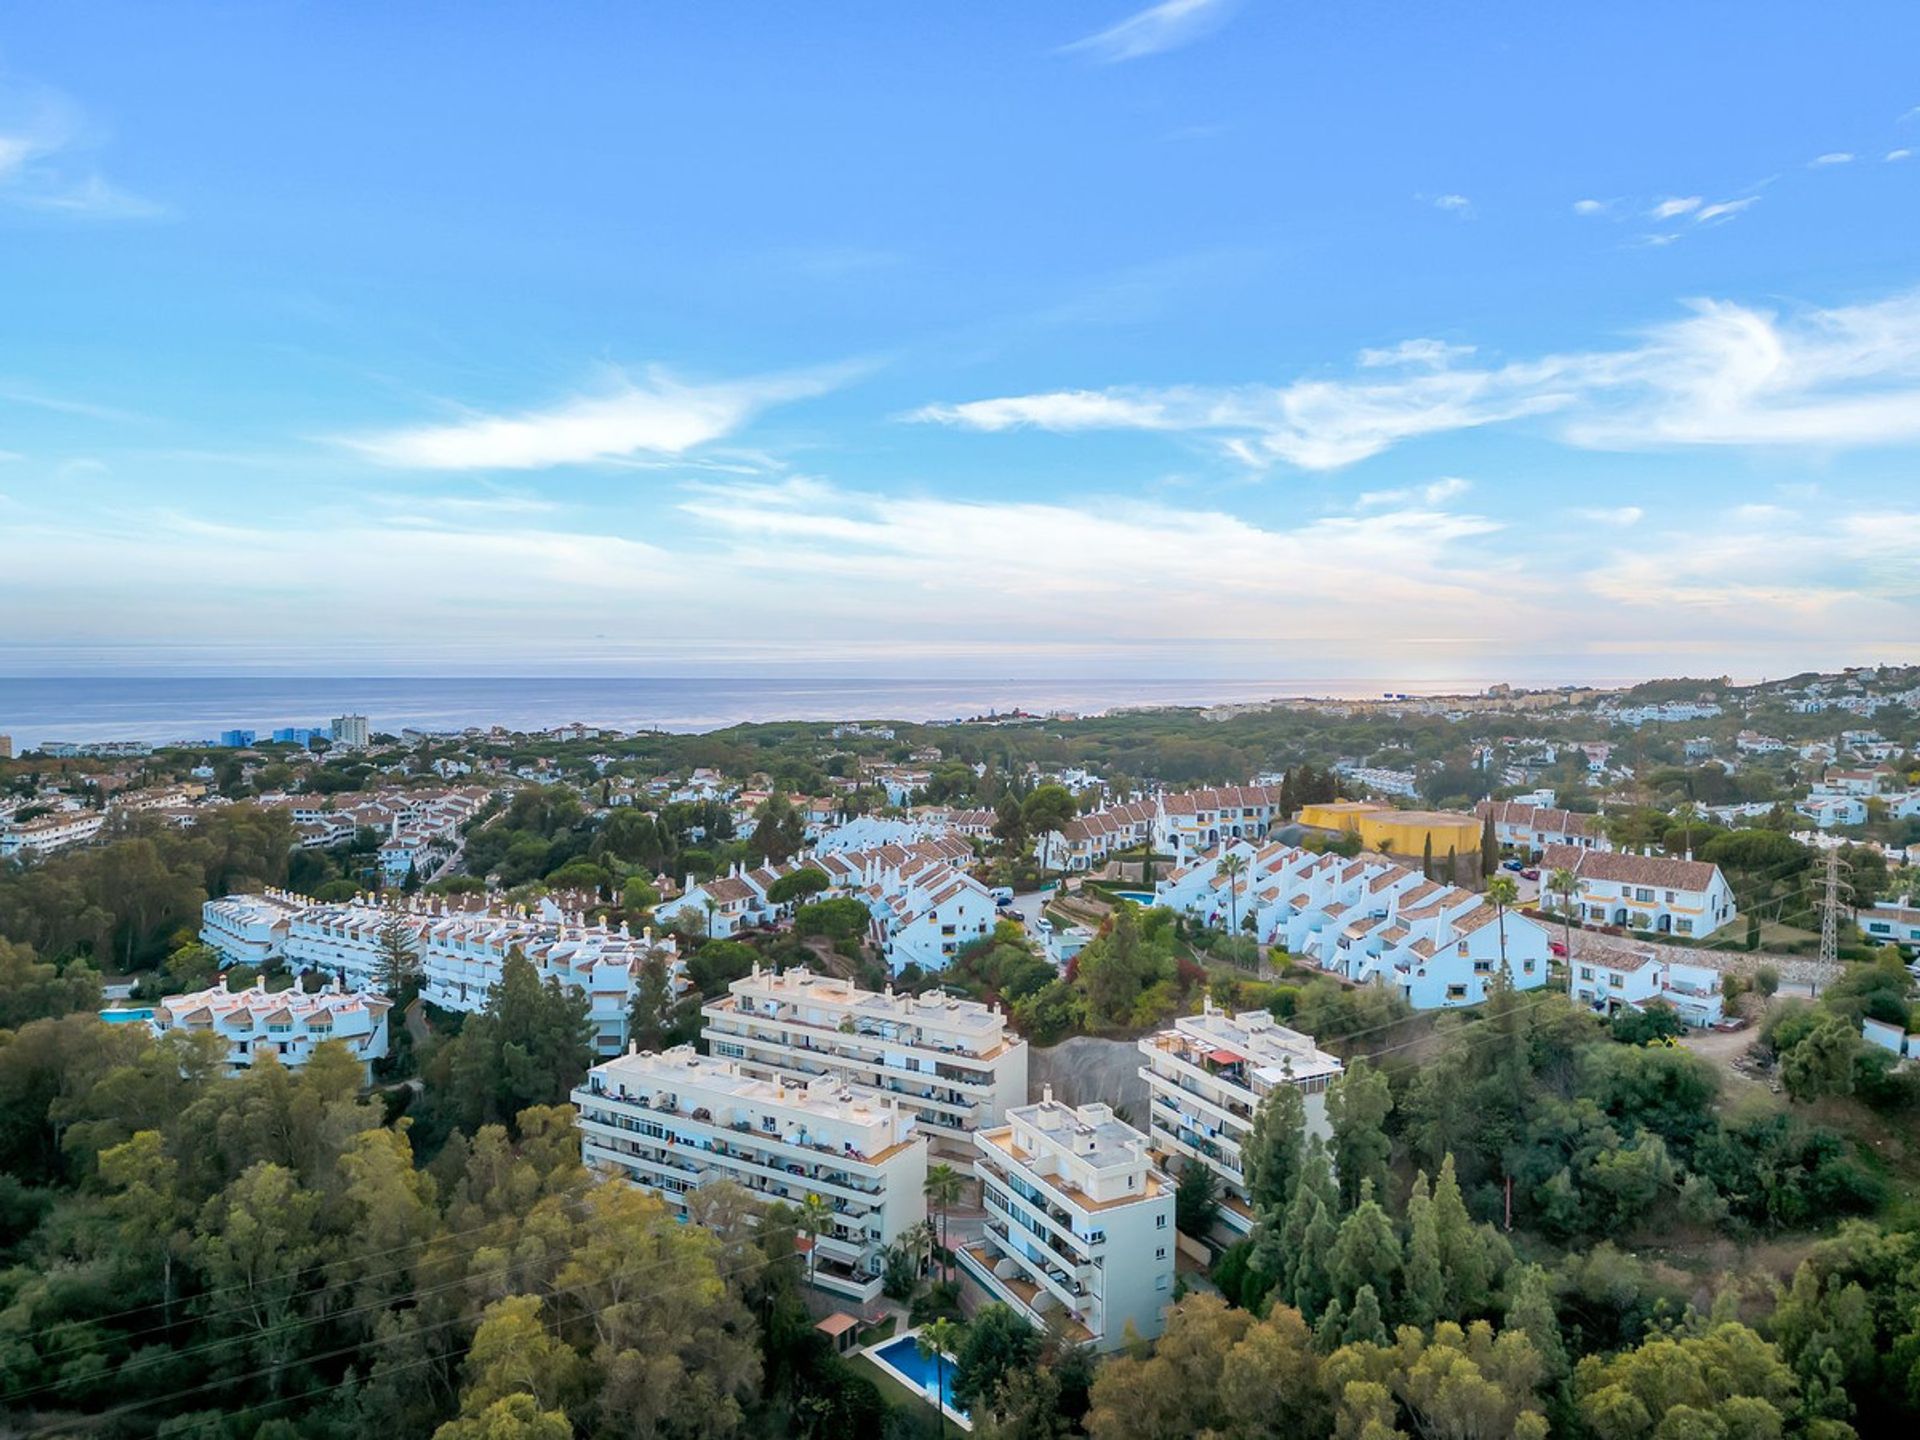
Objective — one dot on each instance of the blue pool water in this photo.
(904, 1355)
(1139, 897)
(121, 1017)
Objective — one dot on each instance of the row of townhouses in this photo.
(1606, 978)
(286, 1025)
(1183, 824)
(1654, 893)
(1366, 919)
(923, 905)
(461, 951)
(1531, 828)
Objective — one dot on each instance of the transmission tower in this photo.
(1829, 964)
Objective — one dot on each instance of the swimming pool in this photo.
(903, 1357)
(1139, 897)
(122, 1017)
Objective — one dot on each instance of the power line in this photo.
(724, 1272)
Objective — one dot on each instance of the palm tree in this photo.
(1502, 891)
(1563, 883)
(1686, 817)
(815, 1215)
(942, 1187)
(1231, 867)
(934, 1340)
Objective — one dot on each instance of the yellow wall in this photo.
(1405, 832)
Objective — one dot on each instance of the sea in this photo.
(184, 708)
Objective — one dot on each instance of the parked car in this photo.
(1510, 865)
(1530, 873)
(1556, 949)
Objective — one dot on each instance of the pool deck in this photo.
(899, 1376)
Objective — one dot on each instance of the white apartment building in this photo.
(1531, 828)
(1208, 1075)
(1085, 842)
(953, 1063)
(1368, 919)
(1647, 892)
(1895, 922)
(1380, 781)
(1831, 812)
(348, 730)
(1079, 1222)
(1605, 979)
(1195, 821)
(287, 1025)
(49, 833)
(250, 929)
(462, 952)
(673, 1122)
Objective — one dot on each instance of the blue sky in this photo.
(1263, 340)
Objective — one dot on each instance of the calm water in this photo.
(904, 1355)
(183, 708)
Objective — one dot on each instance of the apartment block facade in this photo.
(673, 1122)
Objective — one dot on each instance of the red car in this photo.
(1558, 950)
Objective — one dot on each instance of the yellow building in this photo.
(1404, 832)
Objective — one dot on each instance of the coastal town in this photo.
(989, 969)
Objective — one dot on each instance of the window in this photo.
(1456, 992)
(1161, 1253)
(1160, 1222)
(1586, 972)
(1683, 927)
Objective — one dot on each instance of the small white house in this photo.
(1607, 979)
(287, 1025)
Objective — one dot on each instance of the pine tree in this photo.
(1310, 1285)
(1463, 1248)
(1358, 1104)
(652, 1010)
(1366, 1251)
(399, 960)
(1364, 1325)
(1331, 1333)
(1271, 1157)
(1426, 1287)
(1426, 856)
(1489, 848)
(1530, 1308)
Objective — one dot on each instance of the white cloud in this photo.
(1724, 210)
(1898, 154)
(1724, 374)
(1166, 26)
(1416, 352)
(1675, 205)
(1590, 207)
(44, 140)
(1621, 516)
(1834, 157)
(1438, 492)
(1457, 204)
(656, 416)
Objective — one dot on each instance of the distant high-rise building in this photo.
(299, 734)
(236, 739)
(349, 730)
(6, 747)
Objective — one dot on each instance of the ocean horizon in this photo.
(192, 709)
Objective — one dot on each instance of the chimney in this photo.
(1046, 1094)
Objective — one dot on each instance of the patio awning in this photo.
(1225, 1057)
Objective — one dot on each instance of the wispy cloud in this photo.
(654, 416)
(1591, 207)
(1166, 26)
(1621, 516)
(1436, 493)
(1675, 205)
(1725, 374)
(15, 392)
(44, 145)
(1833, 157)
(1454, 204)
(1724, 209)
(1898, 154)
(1416, 352)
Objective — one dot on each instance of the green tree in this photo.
(942, 1187)
(1725, 1381)
(1046, 812)
(31, 989)
(1231, 867)
(652, 1011)
(530, 1046)
(936, 1341)
(397, 962)
(1502, 892)
(1196, 1199)
(1489, 847)
(1271, 1156)
(996, 1344)
(1425, 1298)
(797, 885)
(1366, 1252)
(1358, 1104)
